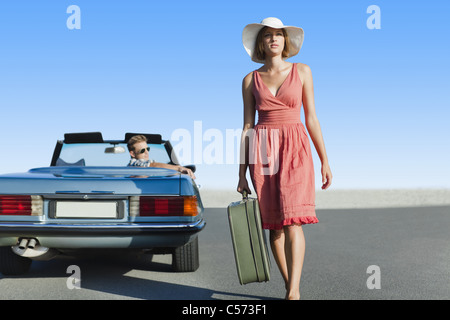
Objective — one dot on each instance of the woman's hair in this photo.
(259, 45)
(134, 140)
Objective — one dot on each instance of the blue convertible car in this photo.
(90, 198)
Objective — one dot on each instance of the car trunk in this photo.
(101, 180)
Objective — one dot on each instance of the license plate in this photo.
(87, 210)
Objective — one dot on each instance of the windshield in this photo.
(93, 154)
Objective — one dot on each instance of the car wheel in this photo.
(11, 264)
(185, 258)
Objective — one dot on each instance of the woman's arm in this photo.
(249, 123)
(312, 123)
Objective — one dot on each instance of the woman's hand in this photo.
(243, 186)
(326, 176)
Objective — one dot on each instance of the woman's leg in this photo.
(295, 253)
(277, 240)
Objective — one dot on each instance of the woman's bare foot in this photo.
(292, 296)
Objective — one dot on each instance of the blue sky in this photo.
(382, 96)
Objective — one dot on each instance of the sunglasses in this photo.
(143, 150)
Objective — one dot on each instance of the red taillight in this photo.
(168, 206)
(16, 205)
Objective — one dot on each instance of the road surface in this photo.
(403, 251)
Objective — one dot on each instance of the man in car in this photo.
(139, 152)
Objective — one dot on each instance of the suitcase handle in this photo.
(244, 195)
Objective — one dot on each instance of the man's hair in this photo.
(259, 45)
(135, 139)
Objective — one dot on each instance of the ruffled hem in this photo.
(291, 221)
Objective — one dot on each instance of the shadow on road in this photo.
(120, 276)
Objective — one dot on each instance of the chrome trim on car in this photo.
(101, 229)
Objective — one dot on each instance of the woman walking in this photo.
(276, 149)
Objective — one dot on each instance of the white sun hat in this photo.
(251, 32)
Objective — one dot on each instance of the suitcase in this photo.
(249, 241)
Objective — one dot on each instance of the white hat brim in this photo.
(250, 32)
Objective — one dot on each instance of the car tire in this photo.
(186, 258)
(11, 264)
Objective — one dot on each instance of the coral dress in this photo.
(280, 161)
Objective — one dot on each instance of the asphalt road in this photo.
(410, 246)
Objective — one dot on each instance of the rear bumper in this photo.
(117, 235)
(116, 229)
